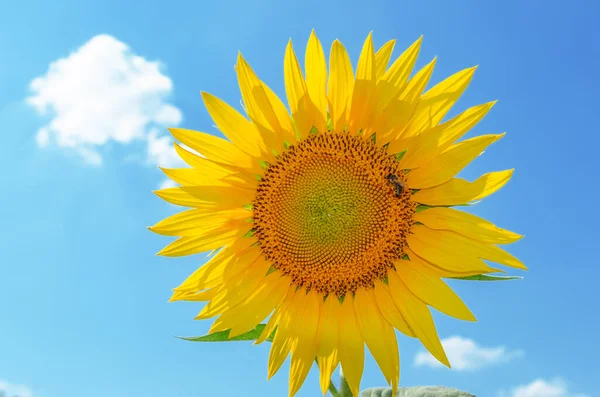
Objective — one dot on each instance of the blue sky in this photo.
(83, 302)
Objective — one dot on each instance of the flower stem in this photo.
(333, 390)
(344, 388)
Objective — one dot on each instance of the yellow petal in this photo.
(438, 271)
(441, 246)
(469, 225)
(436, 102)
(200, 162)
(459, 191)
(423, 147)
(394, 80)
(225, 196)
(195, 177)
(276, 316)
(247, 314)
(305, 331)
(297, 93)
(327, 365)
(378, 335)
(442, 256)
(194, 222)
(392, 121)
(418, 149)
(287, 129)
(236, 127)
(382, 58)
(418, 317)
(328, 326)
(428, 287)
(388, 309)
(364, 94)
(450, 162)
(458, 126)
(339, 86)
(235, 289)
(351, 351)
(258, 106)
(316, 80)
(215, 149)
(240, 252)
(283, 340)
(178, 196)
(204, 242)
(417, 84)
(202, 296)
(192, 177)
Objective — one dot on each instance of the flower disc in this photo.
(327, 214)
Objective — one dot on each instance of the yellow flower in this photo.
(336, 219)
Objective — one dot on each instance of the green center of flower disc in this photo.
(327, 214)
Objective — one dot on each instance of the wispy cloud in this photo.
(103, 92)
(542, 388)
(13, 390)
(466, 355)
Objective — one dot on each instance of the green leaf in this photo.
(223, 336)
(485, 277)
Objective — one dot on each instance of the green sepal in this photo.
(422, 207)
(329, 122)
(271, 270)
(374, 138)
(313, 131)
(249, 234)
(400, 155)
(248, 207)
(263, 164)
(286, 144)
(258, 177)
(223, 336)
(485, 277)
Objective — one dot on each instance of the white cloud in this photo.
(542, 388)
(13, 390)
(103, 92)
(166, 184)
(465, 355)
(162, 152)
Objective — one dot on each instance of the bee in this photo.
(399, 185)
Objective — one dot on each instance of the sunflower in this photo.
(335, 219)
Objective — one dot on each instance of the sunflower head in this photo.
(334, 219)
